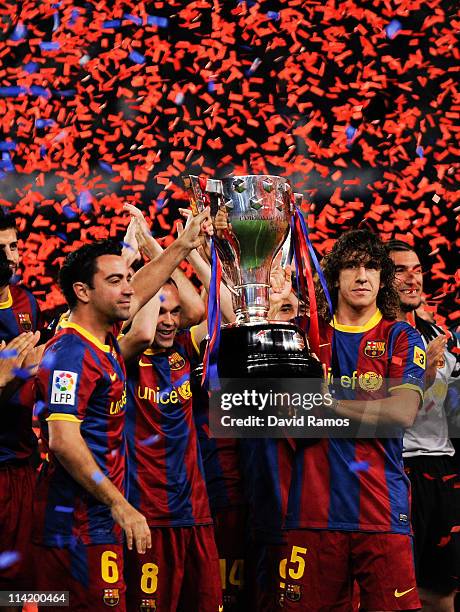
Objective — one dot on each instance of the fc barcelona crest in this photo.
(176, 361)
(374, 348)
(111, 597)
(24, 321)
(148, 605)
(293, 592)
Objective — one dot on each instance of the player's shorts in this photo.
(262, 576)
(321, 566)
(92, 574)
(435, 521)
(180, 572)
(17, 486)
(230, 529)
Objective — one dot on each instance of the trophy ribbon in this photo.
(305, 278)
(210, 376)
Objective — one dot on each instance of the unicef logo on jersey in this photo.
(63, 387)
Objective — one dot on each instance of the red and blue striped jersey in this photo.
(165, 471)
(18, 313)
(359, 484)
(80, 380)
(221, 459)
(267, 469)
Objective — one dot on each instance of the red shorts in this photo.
(179, 572)
(230, 529)
(17, 487)
(263, 576)
(93, 575)
(321, 566)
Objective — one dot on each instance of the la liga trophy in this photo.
(251, 218)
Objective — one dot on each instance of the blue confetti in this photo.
(162, 297)
(56, 21)
(7, 146)
(161, 22)
(8, 353)
(23, 373)
(69, 212)
(211, 86)
(19, 32)
(98, 477)
(42, 123)
(39, 407)
(113, 23)
(50, 45)
(6, 163)
(350, 132)
(179, 98)
(66, 509)
(42, 151)
(36, 90)
(8, 558)
(255, 64)
(160, 203)
(12, 91)
(358, 466)
(105, 166)
(126, 245)
(273, 15)
(393, 28)
(419, 151)
(31, 67)
(66, 93)
(136, 57)
(149, 441)
(84, 200)
(74, 15)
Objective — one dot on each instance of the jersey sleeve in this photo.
(195, 345)
(186, 339)
(68, 381)
(407, 359)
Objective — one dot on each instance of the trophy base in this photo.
(266, 350)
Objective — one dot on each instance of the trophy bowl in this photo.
(251, 220)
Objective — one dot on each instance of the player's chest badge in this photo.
(111, 597)
(176, 361)
(24, 321)
(374, 348)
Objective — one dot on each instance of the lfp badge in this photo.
(63, 388)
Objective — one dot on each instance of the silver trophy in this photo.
(251, 219)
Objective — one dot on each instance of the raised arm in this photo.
(142, 331)
(193, 309)
(148, 280)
